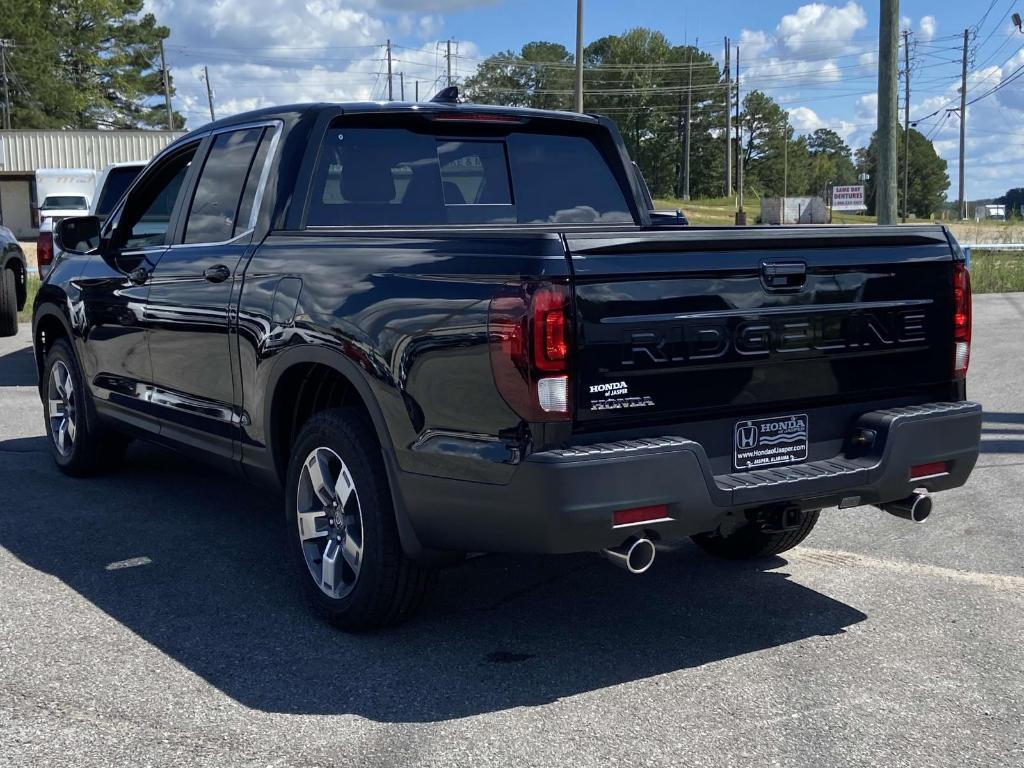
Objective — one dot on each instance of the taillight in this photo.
(961, 319)
(44, 251)
(529, 328)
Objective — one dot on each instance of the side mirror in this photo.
(77, 234)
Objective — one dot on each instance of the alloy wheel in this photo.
(61, 408)
(330, 522)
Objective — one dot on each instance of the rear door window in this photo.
(564, 180)
(116, 184)
(396, 177)
(213, 215)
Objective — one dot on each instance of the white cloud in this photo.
(805, 47)
(754, 43)
(805, 120)
(867, 107)
(817, 28)
(926, 28)
(265, 52)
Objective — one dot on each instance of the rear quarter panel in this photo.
(409, 310)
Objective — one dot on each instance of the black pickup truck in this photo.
(442, 328)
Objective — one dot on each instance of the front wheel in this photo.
(754, 541)
(78, 444)
(341, 527)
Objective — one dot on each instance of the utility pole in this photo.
(906, 122)
(741, 215)
(962, 201)
(391, 82)
(401, 86)
(785, 164)
(209, 92)
(7, 87)
(166, 77)
(579, 55)
(417, 90)
(728, 121)
(888, 97)
(448, 56)
(739, 143)
(686, 136)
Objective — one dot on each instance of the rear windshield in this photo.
(377, 176)
(65, 202)
(117, 182)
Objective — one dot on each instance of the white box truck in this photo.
(64, 192)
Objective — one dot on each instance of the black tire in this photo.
(8, 302)
(388, 586)
(93, 448)
(752, 542)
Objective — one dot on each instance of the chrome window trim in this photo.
(257, 201)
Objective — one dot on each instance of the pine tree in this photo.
(84, 64)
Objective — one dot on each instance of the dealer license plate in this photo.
(770, 442)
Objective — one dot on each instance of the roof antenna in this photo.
(449, 95)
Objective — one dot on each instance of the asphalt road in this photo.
(147, 618)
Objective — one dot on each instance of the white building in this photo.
(23, 152)
(991, 211)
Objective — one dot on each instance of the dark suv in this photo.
(444, 328)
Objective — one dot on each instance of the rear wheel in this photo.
(341, 528)
(753, 540)
(78, 444)
(8, 302)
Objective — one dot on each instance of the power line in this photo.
(981, 23)
(1011, 78)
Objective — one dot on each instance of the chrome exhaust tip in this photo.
(635, 554)
(916, 507)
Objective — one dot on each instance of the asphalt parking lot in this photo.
(147, 618)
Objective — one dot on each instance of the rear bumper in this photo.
(563, 500)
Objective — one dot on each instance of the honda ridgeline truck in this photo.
(443, 328)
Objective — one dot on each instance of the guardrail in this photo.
(968, 247)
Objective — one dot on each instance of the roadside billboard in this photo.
(848, 198)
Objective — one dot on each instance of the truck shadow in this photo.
(18, 368)
(192, 563)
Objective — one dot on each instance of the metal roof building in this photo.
(22, 153)
(25, 151)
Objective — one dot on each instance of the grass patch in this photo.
(33, 288)
(997, 271)
(721, 211)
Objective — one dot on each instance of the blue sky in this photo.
(816, 59)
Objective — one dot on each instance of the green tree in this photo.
(84, 64)
(766, 132)
(830, 162)
(539, 76)
(1014, 202)
(640, 80)
(929, 179)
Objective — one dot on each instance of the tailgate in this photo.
(715, 323)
